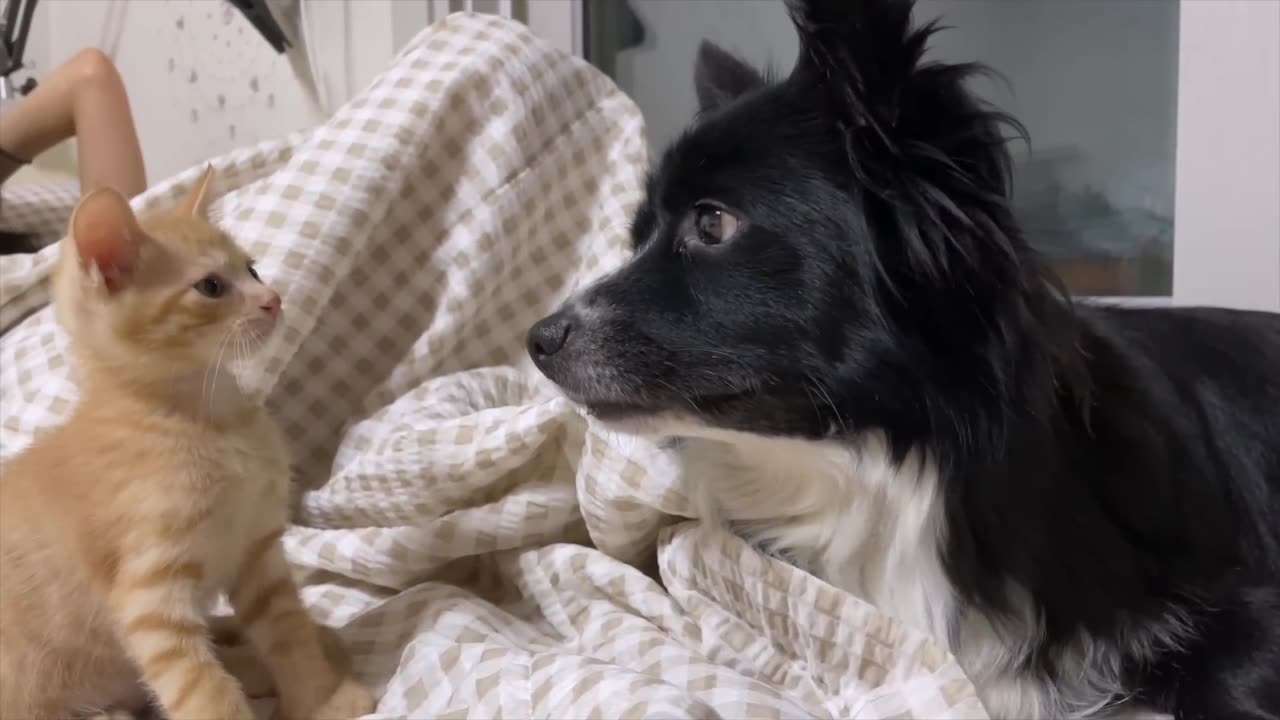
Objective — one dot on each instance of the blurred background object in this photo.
(258, 13)
(16, 17)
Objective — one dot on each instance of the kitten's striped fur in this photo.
(167, 486)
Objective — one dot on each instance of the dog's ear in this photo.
(913, 133)
(720, 78)
(864, 52)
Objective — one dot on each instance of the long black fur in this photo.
(1120, 465)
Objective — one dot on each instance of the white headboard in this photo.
(558, 21)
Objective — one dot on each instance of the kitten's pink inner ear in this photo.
(196, 203)
(107, 236)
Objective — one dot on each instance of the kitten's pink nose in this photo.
(271, 305)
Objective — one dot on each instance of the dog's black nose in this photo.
(549, 335)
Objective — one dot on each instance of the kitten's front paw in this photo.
(229, 708)
(243, 663)
(351, 700)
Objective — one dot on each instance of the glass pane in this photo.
(1094, 81)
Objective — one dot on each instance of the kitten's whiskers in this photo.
(215, 368)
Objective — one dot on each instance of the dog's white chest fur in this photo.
(876, 528)
(847, 515)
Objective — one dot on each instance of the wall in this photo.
(201, 80)
(1229, 156)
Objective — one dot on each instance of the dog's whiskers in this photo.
(827, 397)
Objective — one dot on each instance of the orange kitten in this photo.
(167, 486)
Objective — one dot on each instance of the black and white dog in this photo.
(872, 375)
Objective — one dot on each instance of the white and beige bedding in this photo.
(484, 549)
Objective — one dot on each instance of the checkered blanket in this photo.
(484, 549)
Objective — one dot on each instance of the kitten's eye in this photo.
(713, 224)
(253, 273)
(211, 286)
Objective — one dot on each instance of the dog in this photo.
(868, 371)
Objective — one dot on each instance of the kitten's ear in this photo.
(107, 236)
(196, 203)
(720, 78)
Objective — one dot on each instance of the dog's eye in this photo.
(713, 224)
